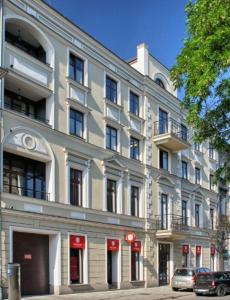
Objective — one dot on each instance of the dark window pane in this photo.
(111, 195)
(163, 160)
(111, 138)
(111, 89)
(76, 69)
(134, 103)
(75, 187)
(76, 123)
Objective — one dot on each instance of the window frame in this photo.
(111, 191)
(161, 161)
(76, 121)
(109, 135)
(132, 151)
(197, 215)
(197, 177)
(77, 203)
(109, 87)
(134, 201)
(75, 59)
(183, 164)
(132, 104)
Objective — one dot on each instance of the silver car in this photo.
(185, 278)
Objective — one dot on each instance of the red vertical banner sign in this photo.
(198, 250)
(185, 249)
(112, 245)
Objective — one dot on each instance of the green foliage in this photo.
(203, 69)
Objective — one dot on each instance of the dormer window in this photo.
(160, 83)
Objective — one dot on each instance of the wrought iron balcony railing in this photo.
(28, 114)
(171, 126)
(23, 191)
(172, 222)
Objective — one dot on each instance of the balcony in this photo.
(171, 134)
(171, 226)
(26, 192)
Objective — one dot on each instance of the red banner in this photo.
(198, 250)
(112, 245)
(212, 250)
(185, 249)
(77, 242)
(136, 246)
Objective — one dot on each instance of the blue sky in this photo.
(123, 24)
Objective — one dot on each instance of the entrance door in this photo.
(31, 251)
(109, 267)
(164, 261)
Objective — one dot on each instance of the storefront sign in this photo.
(185, 249)
(198, 250)
(77, 242)
(112, 245)
(136, 246)
(28, 256)
(130, 237)
(212, 250)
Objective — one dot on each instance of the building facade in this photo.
(92, 149)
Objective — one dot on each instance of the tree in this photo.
(202, 69)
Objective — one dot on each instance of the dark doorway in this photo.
(109, 267)
(163, 262)
(31, 251)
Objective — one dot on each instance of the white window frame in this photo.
(141, 262)
(85, 258)
(201, 256)
(118, 137)
(141, 106)
(140, 186)
(86, 64)
(189, 253)
(112, 76)
(169, 159)
(78, 107)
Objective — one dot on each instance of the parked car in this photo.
(185, 278)
(216, 283)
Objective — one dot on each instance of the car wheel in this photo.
(221, 291)
(175, 289)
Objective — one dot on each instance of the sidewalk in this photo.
(156, 293)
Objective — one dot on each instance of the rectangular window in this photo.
(134, 201)
(24, 176)
(76, 68)
(197, 147)
(184, 132)
(212, 218)
(211, 151)
(163, 121)
(75, 187)
(197, 215)
(134, 148)
(76, 123)
(111, 89)
(135, 266)
(111, 195)
(184, 170)
(211, 182)
(197, 176)
(134, 103)
(164, 211)
(111, 138)
(163, 160)
(184, 212)
(76, 266)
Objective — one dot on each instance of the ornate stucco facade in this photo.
(39, 133)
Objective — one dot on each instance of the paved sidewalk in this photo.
(156, 293)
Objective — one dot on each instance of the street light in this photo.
(3, 72)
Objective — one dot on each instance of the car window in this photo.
(184, 272)
(227, 275)
(219, 276)
(204, 277)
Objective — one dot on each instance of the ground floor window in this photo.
(135, 260)
(198, 256)
(185, 255)
(77, 248)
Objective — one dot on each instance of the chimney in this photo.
(143, 58)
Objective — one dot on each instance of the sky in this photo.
(123, 24)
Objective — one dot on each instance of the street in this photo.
(157, 293)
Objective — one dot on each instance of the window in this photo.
(76, 123)
(76, 68)
(212, 218)
(184, 170)
(211, 182)
(24, 177)
(184, 212)
(111, 195)
(111, 89)
(134, 201)
(76, 262)
(197, 147)
(75, 187)
(111, 138)
(164, 211)
(184, 132)
(198, 257)
(134, 103)
(197, 176)
(164, 160)
(134, 148)
(163, 121)
(135, 265)
(211, 151)
(160, 83)
(197, 215)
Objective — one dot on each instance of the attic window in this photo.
(160, 83)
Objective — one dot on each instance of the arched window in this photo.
(160, 83)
